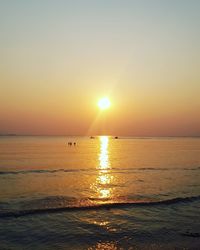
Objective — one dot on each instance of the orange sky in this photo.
(58, 58)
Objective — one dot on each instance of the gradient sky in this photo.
(57, 58)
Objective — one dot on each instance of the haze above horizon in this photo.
(58, 58)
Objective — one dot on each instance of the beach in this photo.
(100, 193)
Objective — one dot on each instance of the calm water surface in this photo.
(102, 193)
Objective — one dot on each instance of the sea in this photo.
(102, 192)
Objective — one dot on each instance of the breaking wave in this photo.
(91, 206)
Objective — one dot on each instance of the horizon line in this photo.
(97, 135)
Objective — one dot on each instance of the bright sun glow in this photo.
(104, 103)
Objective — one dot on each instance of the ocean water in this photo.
(102, 193)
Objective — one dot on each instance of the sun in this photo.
(104, 103)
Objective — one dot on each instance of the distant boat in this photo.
(92, 137)
(116, 137)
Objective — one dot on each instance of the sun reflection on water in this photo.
(103, 185)
(103, 189)
(106, 246)
(103, 156)
(105, 178)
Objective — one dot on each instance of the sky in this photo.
(57, 58)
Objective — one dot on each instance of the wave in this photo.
(43, 171)
(38, 211)
(37, 171)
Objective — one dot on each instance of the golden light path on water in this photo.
(103, 156)
(104, 190)
(104, 178)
